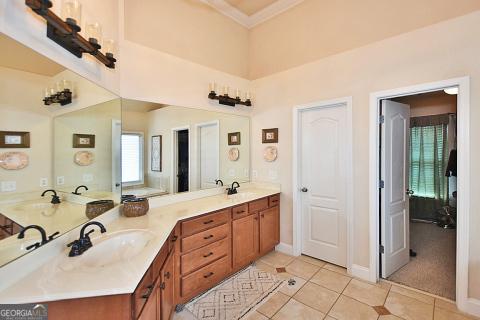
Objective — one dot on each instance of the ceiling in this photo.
(250, 13)
(249, 7)
(17, 56)
(140, 106)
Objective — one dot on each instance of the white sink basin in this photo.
(112, 248)
(241, 195)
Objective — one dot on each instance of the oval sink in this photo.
(113, 248)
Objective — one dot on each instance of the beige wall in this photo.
(318, 28)
(190, 30)
(24, 111)
(95, 120)
(446, 50)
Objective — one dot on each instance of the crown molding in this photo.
(255, 19)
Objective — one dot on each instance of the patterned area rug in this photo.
(234, 298)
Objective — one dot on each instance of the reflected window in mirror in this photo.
(132, 158)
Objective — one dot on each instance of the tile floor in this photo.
(326, 291)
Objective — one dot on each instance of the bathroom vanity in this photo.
(193, 250)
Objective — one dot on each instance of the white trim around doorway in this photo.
(464, 303)
(173, 180)
(296, 169)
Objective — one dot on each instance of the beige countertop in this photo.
(68, 278)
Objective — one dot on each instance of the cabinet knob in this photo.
(162, 285)
(304, 189)
(167, 275)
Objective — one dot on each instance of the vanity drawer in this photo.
(205, 255)
(143, 292)
(205, 222)
(203, 238)
(240, 211)
(274, 200)
(205, 277)
(258, 205)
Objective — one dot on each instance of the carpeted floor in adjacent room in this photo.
(433, 269)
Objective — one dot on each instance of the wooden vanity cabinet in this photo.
(167, 287)
(269, 229)
(245, 239)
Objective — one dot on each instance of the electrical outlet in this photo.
(231, 172)
(87, 177)
(254, 174)
(60, 180)
(7, 186)
(43, 182)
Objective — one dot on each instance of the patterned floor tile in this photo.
(316, 296)
(298, 311)
(349, 309)
(331, 280)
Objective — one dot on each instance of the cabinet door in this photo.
(167, 286)
(151, 309)
(269, 229)
(245, 240)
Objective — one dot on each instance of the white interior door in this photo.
(394, 173)
(208, 155)
(324, 146)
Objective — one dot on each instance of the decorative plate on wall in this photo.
(13, 160)
(84, 158)
(270, 154)
(233, 154)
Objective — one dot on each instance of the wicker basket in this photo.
(96, 208)
(135, 207)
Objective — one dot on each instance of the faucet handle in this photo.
(52, 236)
(36, 245)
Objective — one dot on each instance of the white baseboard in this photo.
(285, 248)
(473, 307)
(360, 272)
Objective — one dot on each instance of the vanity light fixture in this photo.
(66, 33)
(61, 94)
(225, 99)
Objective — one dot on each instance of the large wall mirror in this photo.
(60, 138)
(171, 149)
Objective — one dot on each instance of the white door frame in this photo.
(173, 179)
(463, 180)
(116, 165)
(198, 126)
(297, 207)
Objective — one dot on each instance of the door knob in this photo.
(304, 189)
(409, 192)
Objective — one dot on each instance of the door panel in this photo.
(245, 240)
(208, 166)
(269, 229)
(394, 200)
(324, 160)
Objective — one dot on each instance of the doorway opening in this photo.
(418, 190)
(181, 160)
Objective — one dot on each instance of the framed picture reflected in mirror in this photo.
(156, 152)
(83, 140)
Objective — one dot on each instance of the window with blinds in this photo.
(428, 160)
(132, 158)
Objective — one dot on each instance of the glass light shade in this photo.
(72, 9)
(46, 92)
(94, 31)
(59, 86)
(213, 86)
(66, 85)
(109, 46)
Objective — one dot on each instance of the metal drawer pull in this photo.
(208, 237)
(208, 222)
(174, 238)
(149, 291)
(162, 285)
(208, 275)
(239, 212)
(207, 255)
